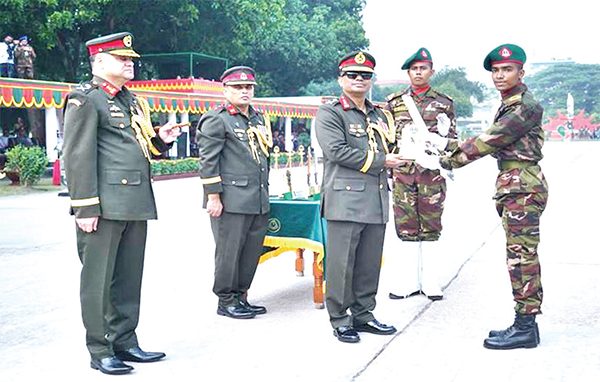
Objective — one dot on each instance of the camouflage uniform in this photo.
(515, 139)
(419, 193)
(24, 56)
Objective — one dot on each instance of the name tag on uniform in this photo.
(117, 115)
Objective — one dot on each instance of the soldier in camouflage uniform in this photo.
(515, 139)
(419, 193)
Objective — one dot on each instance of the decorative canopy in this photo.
(42, 94)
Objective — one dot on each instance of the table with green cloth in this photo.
(296, 225)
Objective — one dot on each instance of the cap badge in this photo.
(505, 52)
(243, 76)
(127, 41)
(424, 54)
(360, 58)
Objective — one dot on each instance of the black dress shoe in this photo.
(346, 334)
(400, 297)
(253, 308)
(110, 365)
(136, 354)
(375, 327)
(235, 311)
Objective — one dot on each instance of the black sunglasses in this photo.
(353, 75)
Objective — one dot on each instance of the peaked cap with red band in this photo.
(357, 62)
(238, 75)
(422, 55)
(117, 44)
(507, 53)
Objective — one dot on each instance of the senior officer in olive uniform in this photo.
(108, 143)
(515, 139)
(355, 136)
(234, 142)
(419, 193)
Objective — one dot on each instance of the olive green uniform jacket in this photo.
(233, 165)
(107, 173)
(108, 177)
(355, 203)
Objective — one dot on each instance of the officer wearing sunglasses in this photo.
(356, 137)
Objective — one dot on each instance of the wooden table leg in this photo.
(318, 289)
(299, 262)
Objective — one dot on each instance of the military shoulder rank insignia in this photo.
(73, 101)
(513, 99)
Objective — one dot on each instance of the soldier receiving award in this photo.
(515, 139)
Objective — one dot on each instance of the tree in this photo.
(552, 85)
(288, 42)
(454, 83)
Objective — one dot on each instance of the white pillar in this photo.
(172, 117)
(313, 138)
(185, 118)
(52, 131)
(289, 144)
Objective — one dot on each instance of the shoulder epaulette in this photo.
(443, 95)
(397, 94)
(329, 100)
(86, 87)
(513, 99)
(390, 97)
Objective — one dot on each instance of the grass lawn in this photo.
(44, 185)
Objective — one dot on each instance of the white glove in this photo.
(431, 162)
(443, 125)
(432, 139)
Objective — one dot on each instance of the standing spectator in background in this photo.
(24, 56)
(7, 60)
(22, 134)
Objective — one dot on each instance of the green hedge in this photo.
(29, 162)
(175, 166)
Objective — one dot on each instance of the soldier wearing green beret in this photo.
(234, 142)
(419, 193)
(356, 137)
(515, 139)
(109, 140)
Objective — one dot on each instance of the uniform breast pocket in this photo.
(124, 177)
(342, 184)
(235, 180)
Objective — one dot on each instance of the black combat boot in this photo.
(497, 333)
(522, 334)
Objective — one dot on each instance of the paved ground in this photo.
(41, 335)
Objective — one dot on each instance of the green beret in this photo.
(507, 53)
(358, 62)
(421, 55)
